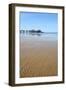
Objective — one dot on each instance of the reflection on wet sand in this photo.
(38, 54)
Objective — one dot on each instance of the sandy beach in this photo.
(38, 57)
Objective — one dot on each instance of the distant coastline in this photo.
(36, 31)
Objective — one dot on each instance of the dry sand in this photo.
(38, 58)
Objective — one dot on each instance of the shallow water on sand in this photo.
(38, 55)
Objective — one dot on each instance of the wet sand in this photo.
(38, 58)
